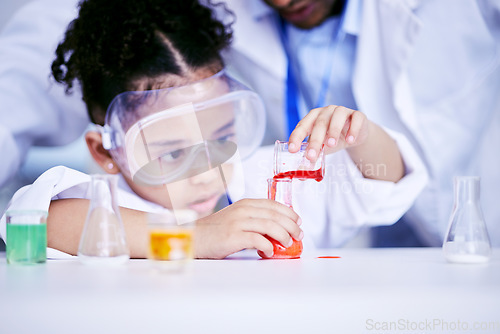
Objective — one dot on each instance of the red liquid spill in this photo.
(328, 257)
(300, 174)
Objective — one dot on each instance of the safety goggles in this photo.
(166, 135)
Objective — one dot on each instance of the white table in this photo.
(366, 290)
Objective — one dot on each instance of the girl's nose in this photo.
(206, 177)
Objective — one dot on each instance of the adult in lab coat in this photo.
(428, 69)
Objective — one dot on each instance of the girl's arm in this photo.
(67, 217)
(374, 152)
(241, 225)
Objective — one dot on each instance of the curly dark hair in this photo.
(114, 43)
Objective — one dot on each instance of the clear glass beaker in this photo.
(280, 190)
(467, 239)
(296, 165)
(103, 238)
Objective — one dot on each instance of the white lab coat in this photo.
(332, 211)
(427, 69)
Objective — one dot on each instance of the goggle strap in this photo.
(106, 137)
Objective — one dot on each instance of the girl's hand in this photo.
(244, 225)
(335, 127)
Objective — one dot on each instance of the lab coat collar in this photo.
(252, 16)
(352, 18)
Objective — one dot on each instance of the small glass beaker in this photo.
(170, 238)
(26, 236)
(296, 165)
(103, 238)
(280, 190)
(467, 239)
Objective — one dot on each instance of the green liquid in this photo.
(26, 244)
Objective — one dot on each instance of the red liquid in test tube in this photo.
(301, 174)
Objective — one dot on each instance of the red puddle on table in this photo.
(329, 257)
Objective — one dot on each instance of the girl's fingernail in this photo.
(290, 243)
(301, 235)
(332, 142)
(311, 153)
(299, 221)
(291, 146)
(350, 139)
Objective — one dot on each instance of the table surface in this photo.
(407, 290)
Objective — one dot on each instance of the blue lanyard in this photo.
(291, 93)
(292, 89)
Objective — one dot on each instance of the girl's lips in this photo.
(205, 204)
(298, 14)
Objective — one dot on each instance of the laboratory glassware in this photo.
(280, 190)
(467, 239)
(103, 238)
(296, 165)
(26, 236)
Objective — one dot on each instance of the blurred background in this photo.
(7, 8)
(39, 159)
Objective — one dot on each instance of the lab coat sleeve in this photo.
(57, 182)
(375, 202)
(34, 109)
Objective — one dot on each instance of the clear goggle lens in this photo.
(170, 134)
